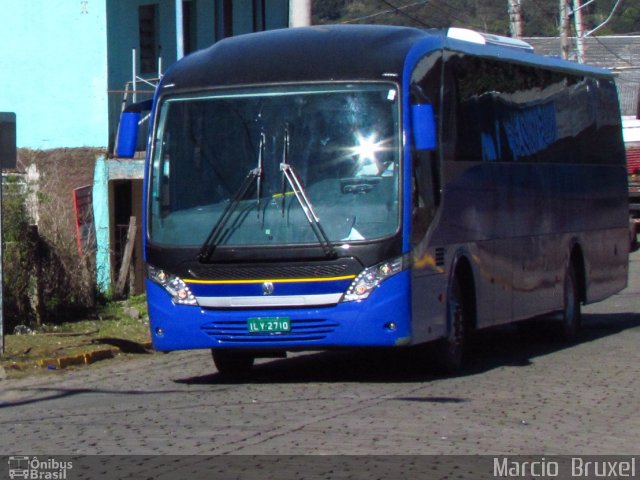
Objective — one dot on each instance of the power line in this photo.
(437, 4)
(613, 52)
(613, 10)
(445, 9)
(401, 12)
(546, 12)
(385, 12)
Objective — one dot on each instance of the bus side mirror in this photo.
(424, 126)
(128, 128)
(127, 134)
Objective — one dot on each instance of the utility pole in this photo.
(299, 13)
(577, 21)
(515, 18)
(179, 30)
(8, 157)
(564, 29)
(3, 327)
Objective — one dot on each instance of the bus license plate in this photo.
(269, 325)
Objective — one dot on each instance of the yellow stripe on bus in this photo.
(278, 280)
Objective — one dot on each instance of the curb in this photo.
(80, 359)
(60, 363)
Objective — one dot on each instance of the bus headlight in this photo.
(173, 285)
(371, 277)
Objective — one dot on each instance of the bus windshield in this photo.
(233, 153)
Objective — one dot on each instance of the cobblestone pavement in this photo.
(524, 395)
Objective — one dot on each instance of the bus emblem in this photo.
(267, 288)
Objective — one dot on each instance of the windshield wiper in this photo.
(298, 190)
(218, 231)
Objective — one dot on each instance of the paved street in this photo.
(524, 395)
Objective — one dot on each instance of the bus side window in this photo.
(449, 115)
(426, 192)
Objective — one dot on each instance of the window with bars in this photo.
(148, 33)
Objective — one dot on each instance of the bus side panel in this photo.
(607, 263)
(532, 168)
(472, 213)
(519, 223)
(430, 281)
(428, 293)
(494, 258)
(539, 262)
(607, 251)
(554, 209)
(383, 319)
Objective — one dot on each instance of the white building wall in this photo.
(53, 59)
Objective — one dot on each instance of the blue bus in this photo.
(377, 186)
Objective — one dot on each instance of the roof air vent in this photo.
(480, 38)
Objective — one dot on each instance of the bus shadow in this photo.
(516, 345)
(513, 345)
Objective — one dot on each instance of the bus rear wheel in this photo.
(232, 363)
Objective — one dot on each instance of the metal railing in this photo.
(132, 94)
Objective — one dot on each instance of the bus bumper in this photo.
(382, 320)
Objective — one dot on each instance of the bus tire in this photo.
(231, 363)
(452, 349)
(571, 314)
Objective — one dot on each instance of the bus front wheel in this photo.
(453, 346)
(232, 363)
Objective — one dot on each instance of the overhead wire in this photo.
(385, 12)
(602, 44)
(613, 10)
(403, 13)
(613, 52)
(452, 12)
(445, 9)
(543, 8)
(448, 10)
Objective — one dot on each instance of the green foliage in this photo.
(45, 281)
(326, 11)
(18, 255)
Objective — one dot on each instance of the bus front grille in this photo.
(276, 271)
(236, 331)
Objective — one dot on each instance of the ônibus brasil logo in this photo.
(37, 469)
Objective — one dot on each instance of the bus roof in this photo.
(335, 53)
